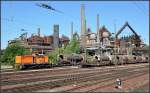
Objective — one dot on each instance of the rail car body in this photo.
(31, 61)
(77, 59)
(73, 59)
(105, 60)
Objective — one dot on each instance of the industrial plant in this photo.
(85, 61)
(38, 44)
(101, 42)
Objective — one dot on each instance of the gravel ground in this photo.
(143, 88)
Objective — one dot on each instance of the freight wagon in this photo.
(31, 61)
(26, 61)
(116, 60)
(73, 59)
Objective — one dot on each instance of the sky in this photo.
(17, 15)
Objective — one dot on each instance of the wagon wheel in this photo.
(18, 67)
(21, 67)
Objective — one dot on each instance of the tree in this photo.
(53, 56)
(73, 47)
(11, 52)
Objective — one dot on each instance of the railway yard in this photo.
(72, 57)
(135, 78)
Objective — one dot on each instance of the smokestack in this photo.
(56, 36)
(71, 30)
(83, 24)
(38, 31)
(98, 36)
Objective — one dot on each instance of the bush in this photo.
(53, 56)
(11, 52)
(73, 47)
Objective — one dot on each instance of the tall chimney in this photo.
(98, 34)
(38, 31)
(56, 36)
(71, 30)
(83, 24)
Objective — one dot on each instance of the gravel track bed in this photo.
(58, 82)
(51, 77)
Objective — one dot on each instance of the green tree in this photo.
(73, 47)
(11, 52)
(53, 56)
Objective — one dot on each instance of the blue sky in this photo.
(17, 15)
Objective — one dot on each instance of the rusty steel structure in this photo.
(41, 44)
(101, 44)
(135, 39)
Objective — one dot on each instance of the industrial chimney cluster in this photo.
(103, 38)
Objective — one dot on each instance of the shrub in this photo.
(11, 52)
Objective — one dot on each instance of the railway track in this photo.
(49, 77)
(42, 73)
(15, 80)
(91, 87)
(60, 81)
(10, 73)
(84, 86)
(47, 74)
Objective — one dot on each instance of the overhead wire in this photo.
(140, 8)
(18, 21)
(143, 9)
